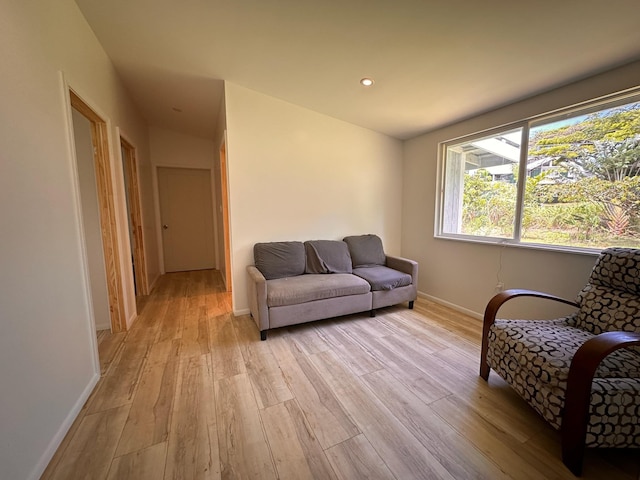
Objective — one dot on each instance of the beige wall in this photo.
(297, 175)
(47, 358)
(175, 149)
(465, 274)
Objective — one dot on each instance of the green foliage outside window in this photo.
(488, 206)
(590, 197)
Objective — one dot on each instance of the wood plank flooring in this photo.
(190, 392)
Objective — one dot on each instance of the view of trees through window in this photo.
(582, 183)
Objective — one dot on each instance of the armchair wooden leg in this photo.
(484, 370)
(488, 320)
(484, 366)
(572, 457)
(372, 313)
(573, 430)
(263, 335)
(411, 305)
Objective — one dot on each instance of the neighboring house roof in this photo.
(507, 168)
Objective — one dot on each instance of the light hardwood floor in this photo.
(191, 392)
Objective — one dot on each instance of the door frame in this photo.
(134, 212)
(105, 191)
(224, 191)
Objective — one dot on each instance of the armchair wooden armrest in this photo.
(576, 405)
(492, 310)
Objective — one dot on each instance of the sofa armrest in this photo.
(257, 291)
(404, 265)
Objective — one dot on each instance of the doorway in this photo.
(85, 161)
(186, 218)
(106, 267)
(134, 215)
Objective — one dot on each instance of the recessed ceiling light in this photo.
(367, 82)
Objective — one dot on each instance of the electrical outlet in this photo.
(499, 287)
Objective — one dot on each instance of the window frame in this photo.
(583, 108)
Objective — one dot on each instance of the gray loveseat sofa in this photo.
(296, 282)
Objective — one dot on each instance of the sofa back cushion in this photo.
(327, 256)
(366, 250)
(279, 259)
(611, 299)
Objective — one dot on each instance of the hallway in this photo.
(150, 378)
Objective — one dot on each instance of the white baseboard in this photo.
(133, 318)
(458, 308)
(455, 307)
(62, 431)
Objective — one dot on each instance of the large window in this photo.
(569, 180)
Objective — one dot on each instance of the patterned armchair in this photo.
(580, 372)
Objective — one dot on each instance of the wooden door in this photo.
(186, 212)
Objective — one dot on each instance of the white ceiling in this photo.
(434, 61)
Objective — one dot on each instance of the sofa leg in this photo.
(263, 335)
(411, 305)
(372, 313)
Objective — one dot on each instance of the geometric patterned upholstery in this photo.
(533, 356)
(618, 268)
(611, 299)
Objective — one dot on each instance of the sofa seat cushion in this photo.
(310, 287)
(545, 348)
(383, 278)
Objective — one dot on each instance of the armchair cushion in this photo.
(618, 268)
(612, 410)
(611, 299)
(603, 309)
(546, 348)
(534, 357)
